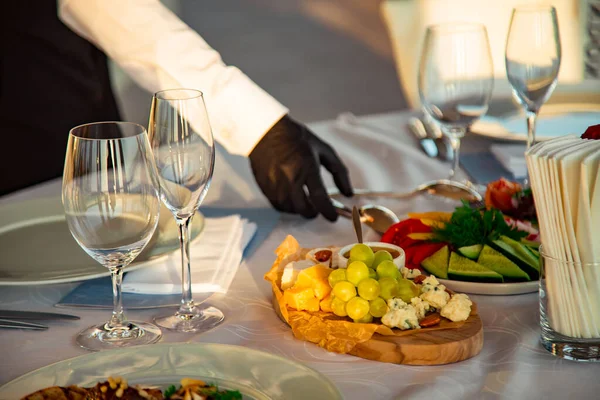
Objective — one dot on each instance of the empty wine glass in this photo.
(112, 205)
(184, 152)
(456, 78)
(533, 59)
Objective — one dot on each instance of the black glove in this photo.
(287, 159)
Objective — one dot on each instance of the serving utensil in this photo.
(440, 188)
(35, 315)
(356, 223)
(378, 218)
(10, 324)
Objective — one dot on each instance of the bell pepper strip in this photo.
(401, 229)
(421, 236)
(433, 216)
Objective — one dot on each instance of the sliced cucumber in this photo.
(462, 269)
(437, 263)
(496, 261)
(531, 243)
(471, 252)
(509, 252)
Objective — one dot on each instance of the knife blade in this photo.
(427, 144)
(35, 315)
(5, 323)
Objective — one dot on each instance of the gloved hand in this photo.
(288, 159)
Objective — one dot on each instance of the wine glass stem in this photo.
(118, 317)
(455, 144)
(187, 302)
(531, 121)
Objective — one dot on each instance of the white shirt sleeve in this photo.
(160, 52)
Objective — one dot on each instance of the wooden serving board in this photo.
(434, 347)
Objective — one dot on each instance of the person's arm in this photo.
(160, 52)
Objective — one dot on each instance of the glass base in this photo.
(571, 348)
(195, 321)
(98, 337)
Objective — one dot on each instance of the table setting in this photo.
(464, 266)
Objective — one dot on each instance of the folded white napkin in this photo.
(215, 257)
(512, 157)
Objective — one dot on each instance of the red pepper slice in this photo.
(398, 231)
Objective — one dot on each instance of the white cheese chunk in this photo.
(409, 273)
(421, 307)
(458, 308)
(403, 318)
(291, 271)
(436, 296)
(396, 304)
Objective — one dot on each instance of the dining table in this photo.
(381, 154)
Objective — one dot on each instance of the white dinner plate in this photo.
(257, 375)
(554, 120)
(494, 289)
(36, 246)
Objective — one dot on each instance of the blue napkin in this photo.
(97, 293)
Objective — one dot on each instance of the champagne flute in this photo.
(184, 152)
(533, 59)
(112, 205)
(456, 78)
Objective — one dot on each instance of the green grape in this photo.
(388, 288)
(378, 307)
(338, 307)
(337, 275)
(357, 308)
(381, 255)
(388, 269)
(362, 252)
(367, 319)
(407, 290)
(344, 290)
(356, 272)
(368, 289)
(372, 274)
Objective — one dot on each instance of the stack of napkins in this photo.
(566, 187)
(215, 258)
(512, 158)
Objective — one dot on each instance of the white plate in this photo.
(494, 289)
(257, 375)
(554, 120)
(36, 246)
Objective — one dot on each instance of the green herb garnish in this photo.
(170, 391)
(470, 226)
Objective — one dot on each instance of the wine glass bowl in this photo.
(112, 206)
(455, 78)
(183, 148)
(532, 56)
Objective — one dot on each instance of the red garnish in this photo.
(499, 194)
(398, 232)
(592, 132)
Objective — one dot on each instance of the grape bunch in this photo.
(362, 289)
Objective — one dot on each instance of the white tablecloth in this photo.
(511, 365)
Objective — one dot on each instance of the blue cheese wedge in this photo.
(421, 307)
(291, 271)
(403, 318)
(408, 273)
(434, 293)
(458, 308)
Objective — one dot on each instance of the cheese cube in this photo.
(291, 271)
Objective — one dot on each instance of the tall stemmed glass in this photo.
(456, 78)
(184, 152)
(112, 205)
(533, 59)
